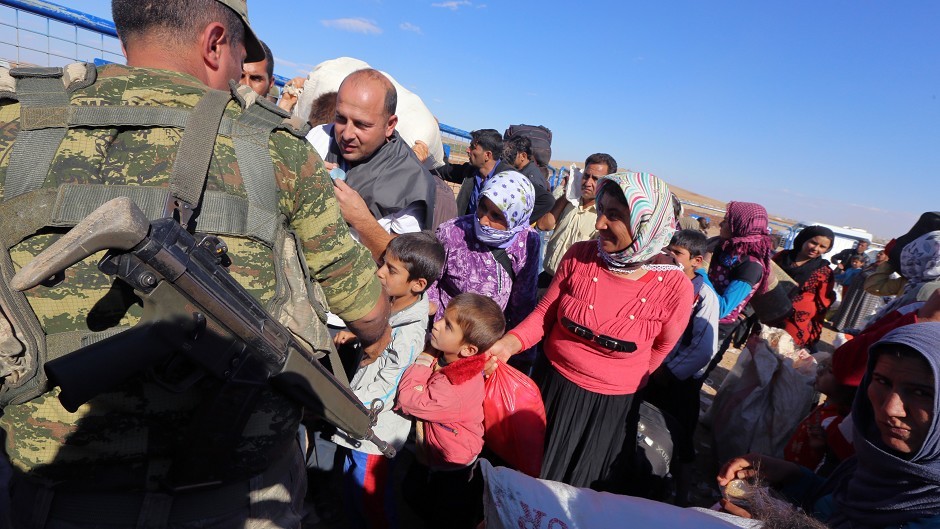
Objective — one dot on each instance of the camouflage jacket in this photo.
(127, 437)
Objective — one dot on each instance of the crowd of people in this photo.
(425, 292)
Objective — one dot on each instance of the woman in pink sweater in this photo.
(609, 319)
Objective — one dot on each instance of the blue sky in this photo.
(820, 110)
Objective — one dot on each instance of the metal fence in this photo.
(45, 34)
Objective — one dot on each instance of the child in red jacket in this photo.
(443, 391)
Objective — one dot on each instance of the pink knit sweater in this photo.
(652, 312)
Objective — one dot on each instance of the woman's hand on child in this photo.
(501, 351)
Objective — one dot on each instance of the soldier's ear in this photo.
(211, 41)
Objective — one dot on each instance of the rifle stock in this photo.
(192, 306)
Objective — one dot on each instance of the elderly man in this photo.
(573, 223)
(167, 447)
(259, 76)
(383, 189)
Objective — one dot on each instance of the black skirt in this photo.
(586, 433)
(857, 305)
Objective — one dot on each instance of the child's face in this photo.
(394, 277)
(856, 263)
(683, 257)
(825, 380)
(447, 336)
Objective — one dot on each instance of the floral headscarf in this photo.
(920, 264)
(652, 222)
(514, 195)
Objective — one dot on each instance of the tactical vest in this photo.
(46, 115)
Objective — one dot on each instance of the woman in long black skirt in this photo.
(614, 310)
(857, 305)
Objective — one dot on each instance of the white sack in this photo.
(513, 500)
(415, 121)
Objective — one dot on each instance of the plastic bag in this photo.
(573, 190)
(763, 398)
(514, 419)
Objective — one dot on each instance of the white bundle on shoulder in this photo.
(415, 120)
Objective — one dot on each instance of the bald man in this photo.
(386, 190)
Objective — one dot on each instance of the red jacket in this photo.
(448, 404)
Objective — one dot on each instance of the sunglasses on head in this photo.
(613, 344)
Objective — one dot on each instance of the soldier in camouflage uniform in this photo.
(106, 464)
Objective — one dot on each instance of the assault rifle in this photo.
(192, 306)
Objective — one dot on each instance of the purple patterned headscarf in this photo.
(514, 195)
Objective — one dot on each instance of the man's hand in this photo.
(290, 93)
(930, 310)
(373, 331)
(374, 351)
(743, 467)
(421, 150)
(768, 469)
(343, 337)
(351, 204)
(356, 213)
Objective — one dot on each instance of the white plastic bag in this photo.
(573, 189)
(763, 398)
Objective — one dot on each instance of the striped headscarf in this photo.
(652, 222)
(514, 195)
